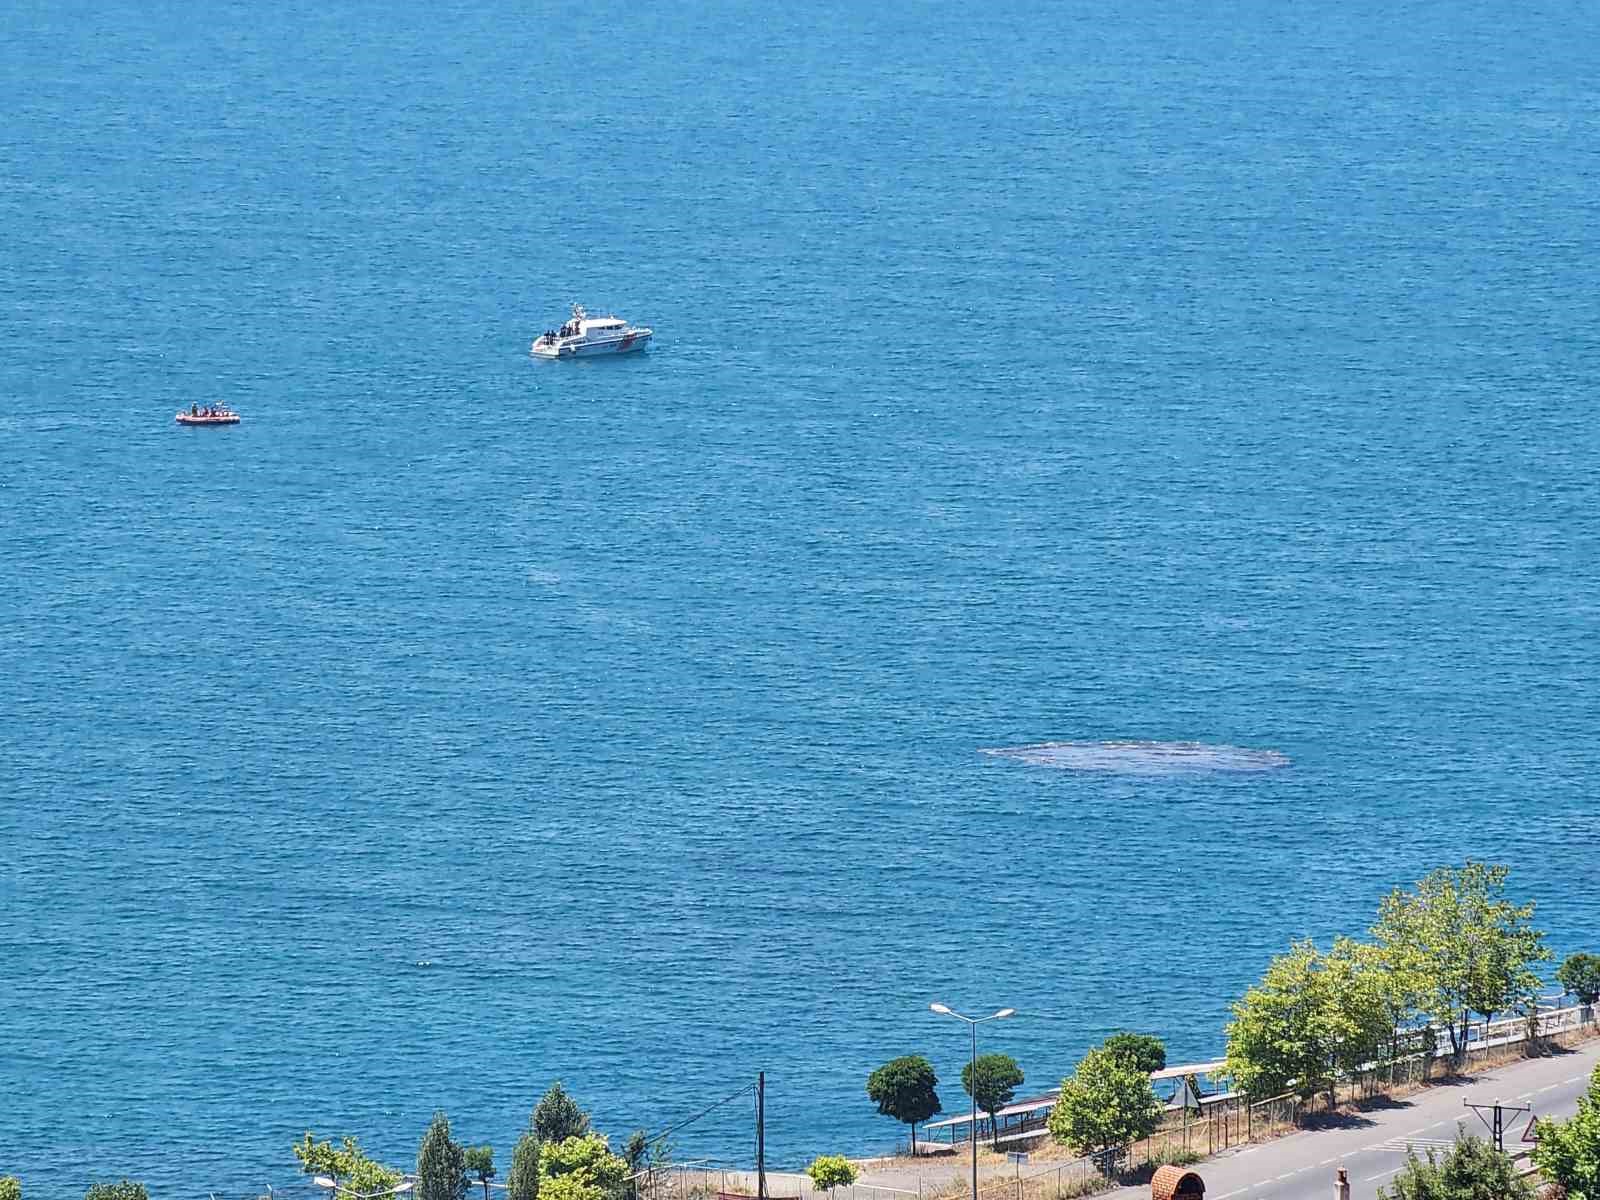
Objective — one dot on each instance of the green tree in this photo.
(345, 1163)
(10, 1187)
(636, 1153)
(123, 1189)
(1389, 981)
(1568, 1152)
(558, 1117)
(905, 1088)
(1580, 975)
(523, 1181)
(1107, 1101)
(991, 1081)
(1311, 1016)
(581, 1168)
(1468, 948)
(829, 1171)
(441, 1163)
(1143, 1050)
(480, 1162)
(1469, 1170)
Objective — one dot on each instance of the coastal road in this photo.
(1371, 1146)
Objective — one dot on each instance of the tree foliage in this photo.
(480, 1164)
(581, 1168)
(123, 1189)
(1568, 1152)
(345, 1163)
(905, 1088)
(441, 1163)
(636, 1153)
(1143, 1050)
(991, 1081)
(829, 1171)
(10, 1187)
(1107, 1101)
(1312, 1015)
(558, 1117)
(1469, 1170)
(1466, 947)
(523, 1181)
(1392, 983)
(1580, 975)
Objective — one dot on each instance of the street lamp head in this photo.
(1004, 1012)
(941, 1008)
(323, 1181)
(402, 1188)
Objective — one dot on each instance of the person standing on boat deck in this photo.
(194, 410)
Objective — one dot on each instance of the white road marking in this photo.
(1380, 1175)
(1327, 1162)
(1400, 1145)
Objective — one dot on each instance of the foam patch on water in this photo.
(1143, 758)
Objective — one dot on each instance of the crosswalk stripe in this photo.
(1402, 1144)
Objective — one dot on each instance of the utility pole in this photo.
(1495, 1120)
(761, 1135)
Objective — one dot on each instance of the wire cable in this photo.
(748, 1089)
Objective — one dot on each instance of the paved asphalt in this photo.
(1371, 1146)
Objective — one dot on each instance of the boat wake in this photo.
(1143, 758)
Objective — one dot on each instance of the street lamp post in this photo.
(336, 1189)
(972, 1076)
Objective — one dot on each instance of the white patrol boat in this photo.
(583, 336)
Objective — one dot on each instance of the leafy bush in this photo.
(10, 1187)
(581, 1168)
(123, 1189)
(829, 1171)
(1568, 1153)
(1469, 1170)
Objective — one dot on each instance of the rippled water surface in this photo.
(1067, 375)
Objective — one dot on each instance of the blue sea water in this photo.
(1142, 370)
